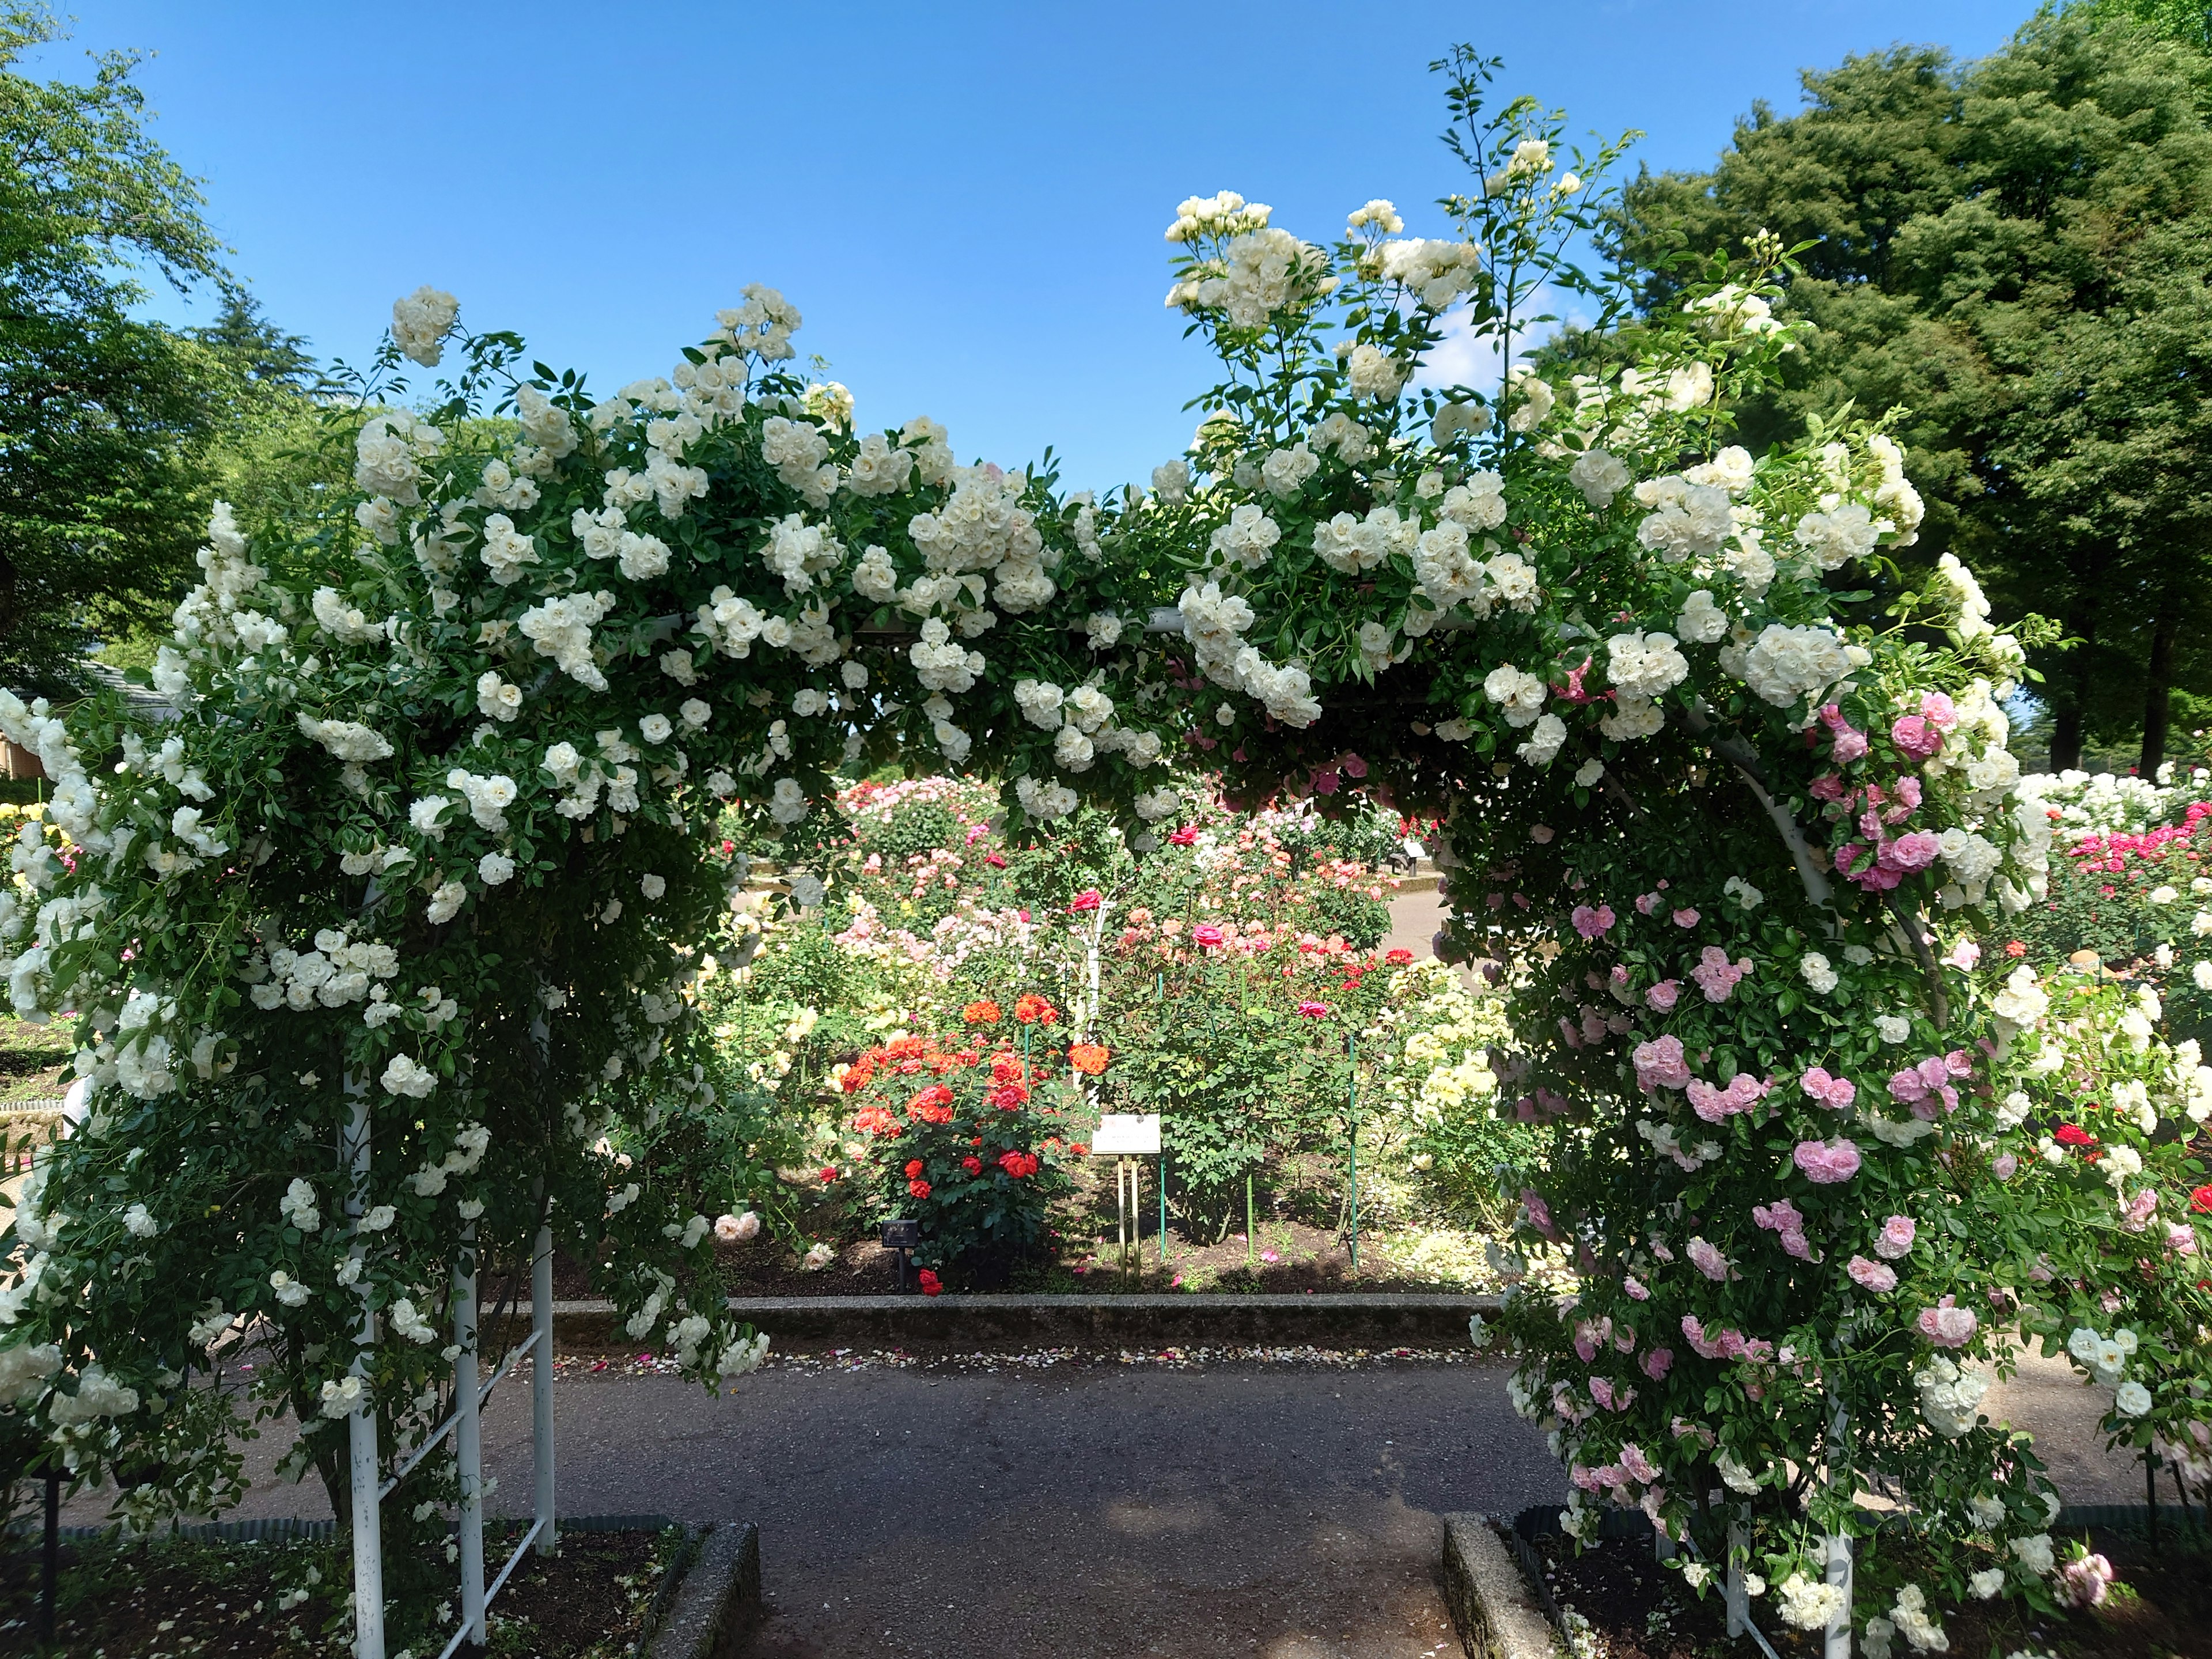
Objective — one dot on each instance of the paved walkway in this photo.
(1288, 1511)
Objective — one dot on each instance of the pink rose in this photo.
(2086, 1582)
(1935, 708)
(1354, 767)
(1948, 1326)
(1600, 1389)
(2004, 1166)
(2139, 1210)
(1593, 924)
(1716, 1105)
(1657, 1363)
(1648, 904)
(2180, 1238)
(1825, 1163)
(1660, 1064)
(1833, 1091)
(1915, 849)
(1638, 1466)
(1716, 976)
(1916, 737)
(1896, 1238)
(1638, 1291)
(1708, 1260)
(1686, 917)
(1871, 1275)
(1662, 997)
(1206, 934)
(1539, 1212)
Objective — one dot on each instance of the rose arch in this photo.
(373, 942)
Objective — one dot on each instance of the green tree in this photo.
(106, 420)
(2011, 251)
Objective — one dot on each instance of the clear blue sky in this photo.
(966, 201)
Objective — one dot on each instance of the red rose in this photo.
(1086, 900)
(912, 1168)
(1399, 958)
(2201, 1201)
(973, 1164)
(829, 1175)
(2067, 1135)
(928, 1281)
(918, 1188)
(1184, 837)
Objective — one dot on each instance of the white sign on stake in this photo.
(1126, 1135)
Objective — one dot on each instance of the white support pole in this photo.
(1739, 1603)
(1838, 1639)
(468, 1442)
(365, 1468)
(541, 1389)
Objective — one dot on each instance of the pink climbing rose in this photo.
(1827, 1162)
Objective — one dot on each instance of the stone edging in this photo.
(1489, 1599)
(718, 1600)
(1330, 1319)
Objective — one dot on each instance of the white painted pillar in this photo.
(365, 1468)
(541, 1389)
(468, 1440)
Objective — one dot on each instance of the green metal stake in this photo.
(1248, 1260)
(1352, 1054)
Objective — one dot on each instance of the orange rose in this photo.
(1088, 1058)
(981, 1013)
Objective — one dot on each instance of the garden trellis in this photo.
(425, 860)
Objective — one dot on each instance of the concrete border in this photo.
(1488, 1598)
(717, 1603)
(1322, 1320)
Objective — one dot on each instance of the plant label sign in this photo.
(1126, 1135)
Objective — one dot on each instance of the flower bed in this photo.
(285, 1599)
(1613, 1601)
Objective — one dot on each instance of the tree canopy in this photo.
(108, 422)
(2012, 252)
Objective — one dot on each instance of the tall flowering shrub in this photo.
(424, 857)
(1737, 822)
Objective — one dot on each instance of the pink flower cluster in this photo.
(1661, 1064)
(2109, 854)
(1662, 997)
(1895, 1240)
(1929, 1083)
(1783, 1218)
(1833, 1091)
(1716, 974)
(1715, 1105)
(1848, 742)
(1707, 1260)
(1593, 923)
(1827, 1162)
(1871, 1275)
(1947, 1325)
(1921, 735)
(1724, 1344)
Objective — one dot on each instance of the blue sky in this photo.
(966, 201)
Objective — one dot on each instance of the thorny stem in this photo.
(1915, 929)
(1740, 755)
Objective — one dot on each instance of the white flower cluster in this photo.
(420, 321)
(337, 971)
(1255, 275)
(1950, 1394)
(1785, 664)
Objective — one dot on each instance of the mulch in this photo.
(171, 1598)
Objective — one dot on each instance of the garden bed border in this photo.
(1347, 1319)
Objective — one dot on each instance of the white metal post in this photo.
(364, 1466)
(541, 1389)
(1841, 1478)
(468, 1444)
(1739, 1603)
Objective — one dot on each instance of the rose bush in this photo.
(971, 1136)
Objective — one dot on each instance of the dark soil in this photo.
(175, 1597)
(2160, 1608)
(1296, 1247)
